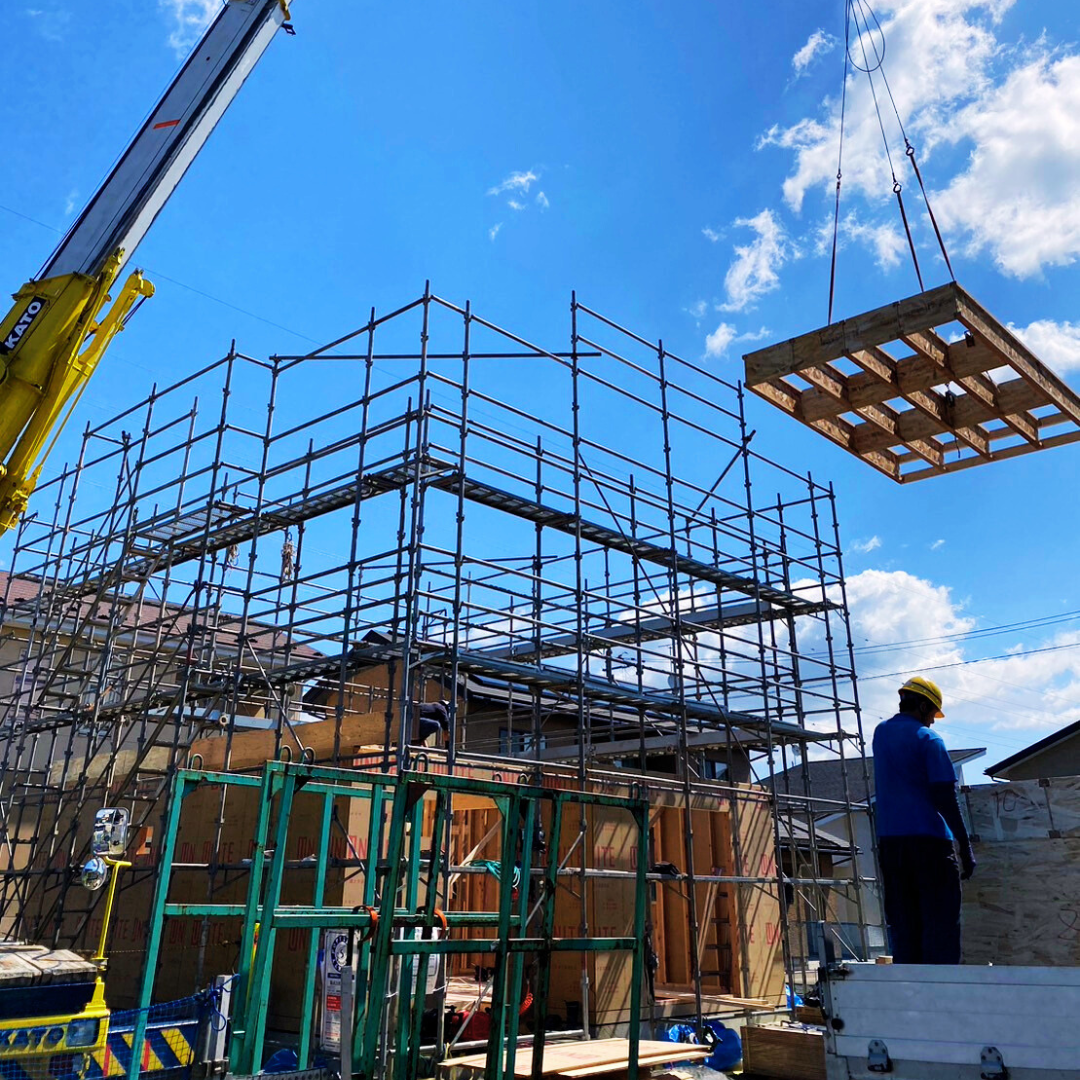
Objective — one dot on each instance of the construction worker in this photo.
(918, 820)
(433, 718)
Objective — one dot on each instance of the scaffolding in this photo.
(567, 544)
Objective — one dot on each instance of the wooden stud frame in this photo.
(933, 411)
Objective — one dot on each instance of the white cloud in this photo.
(711, 234)
(716, 344)
(514, 204)
(189, 19)
(764, 334)
(753, 273)
(52, 24)
(517, 182)
(1056, 344)
(494, 230)
(937, 544)
(883, 238)
(542, 200)
(903, 624)
(900, 622)
(939, 59)
(71, 202)
(1008, 112)
(725, 335)
(864, 547)
(698, 309)
(817, 45)
(1018, 198)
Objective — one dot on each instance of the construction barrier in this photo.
(169, 1047)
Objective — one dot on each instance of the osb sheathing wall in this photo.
(1022, 906)
(739, 940)
(739, 923)
(189, 960)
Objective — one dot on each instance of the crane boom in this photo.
(55, 334)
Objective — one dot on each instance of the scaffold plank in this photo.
(568, 681)
(727, 616)
(574, 525)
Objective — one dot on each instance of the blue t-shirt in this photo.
(908, 758)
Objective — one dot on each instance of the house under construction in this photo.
(579, 547)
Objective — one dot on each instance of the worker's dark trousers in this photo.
(921, 880)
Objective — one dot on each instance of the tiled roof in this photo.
(18, 595)
(827, 777)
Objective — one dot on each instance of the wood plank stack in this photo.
(599, 1057)
(892, 388)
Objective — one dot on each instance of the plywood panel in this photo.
(785, 1053)
(759, 904)
(580, 1059)
(1023, 904)
(1025, 809)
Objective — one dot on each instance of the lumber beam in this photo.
(886, 428)
(843, 433)
(976, 383)
(1019, 357)
(941, 407)
(835, 384)
(887, 323)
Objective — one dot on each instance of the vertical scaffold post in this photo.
(156, 924)
(258, 995)
(322, 852)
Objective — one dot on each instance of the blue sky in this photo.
(671, 162)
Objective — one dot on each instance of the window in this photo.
(713, 770)
(519, 743)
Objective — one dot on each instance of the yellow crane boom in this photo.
(55, 334)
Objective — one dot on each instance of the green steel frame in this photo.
(400, 895)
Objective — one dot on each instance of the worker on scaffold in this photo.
(918, 820)
(432, 718)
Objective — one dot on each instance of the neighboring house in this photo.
(827, 783)
(1056, 755)
(52, 652)
(104, 693)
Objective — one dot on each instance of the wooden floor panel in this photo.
(908, 388)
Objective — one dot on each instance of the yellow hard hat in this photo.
(925, 688)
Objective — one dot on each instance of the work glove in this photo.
(967, 862)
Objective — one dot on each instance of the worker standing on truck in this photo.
(918, 819)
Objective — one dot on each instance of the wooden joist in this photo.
(890, 389)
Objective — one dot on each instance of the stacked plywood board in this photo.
(31, 965)
(599, 1057)
(908, 387)
(1023, 904)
